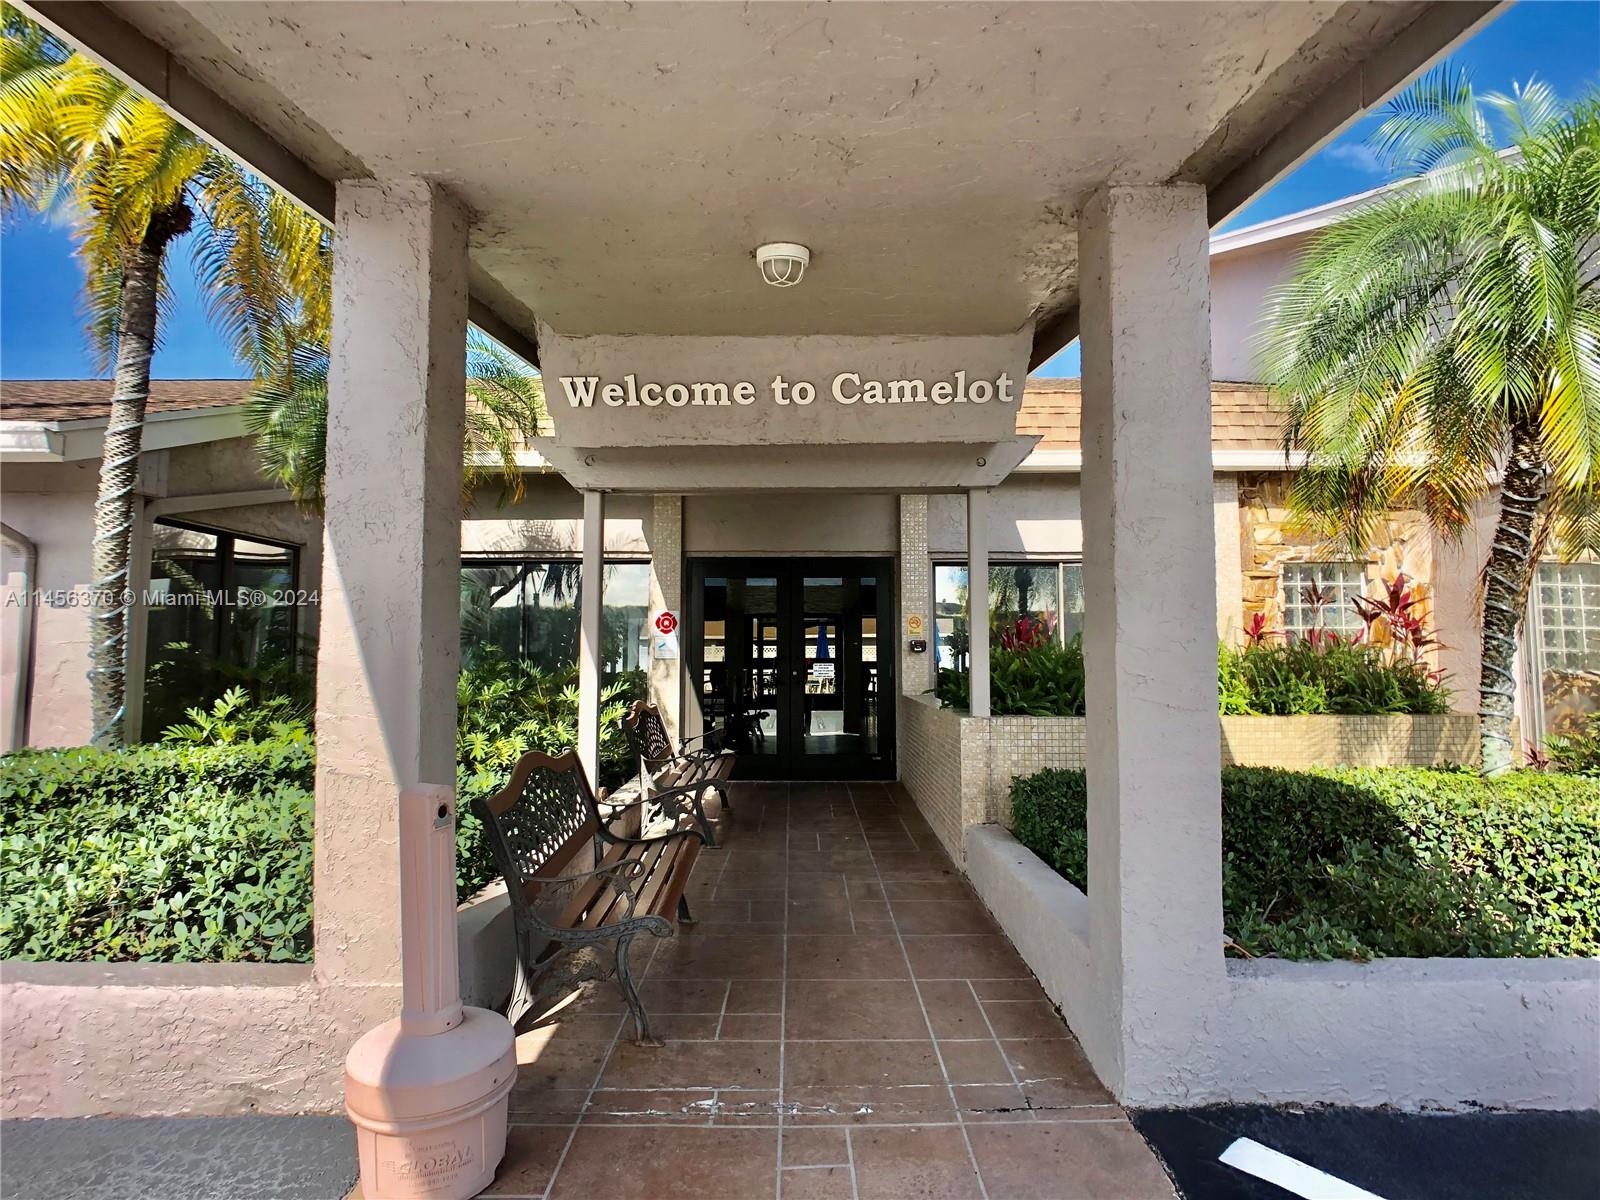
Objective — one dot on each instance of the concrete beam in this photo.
(149, 66)
(389, 646)
(1154, 759)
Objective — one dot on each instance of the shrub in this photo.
(158, 853)
(1378, 862)
(1577, 753)
(1043, 679)
(1326, 675)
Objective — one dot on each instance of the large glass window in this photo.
(1336, 584)
(1564, 637)
(528, 610)
(221, 609)
(1051, 592)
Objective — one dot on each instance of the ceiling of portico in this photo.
(622, 161)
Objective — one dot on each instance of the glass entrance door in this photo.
(786, 658)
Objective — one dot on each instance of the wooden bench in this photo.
(539, 826)
(666, 767)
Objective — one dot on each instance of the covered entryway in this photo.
(795, 659)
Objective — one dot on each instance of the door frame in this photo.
(790, 569)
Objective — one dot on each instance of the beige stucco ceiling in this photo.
(622, 160)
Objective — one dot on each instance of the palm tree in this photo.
(288, 414)
(135, 181)
(1445, 338)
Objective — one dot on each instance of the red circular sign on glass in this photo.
(666, 623)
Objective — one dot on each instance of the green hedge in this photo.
(164, 853)
(1378, 862)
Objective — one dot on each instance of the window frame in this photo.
(1531, 651)
(1289, 599)
(225, 577)
(1060, 561)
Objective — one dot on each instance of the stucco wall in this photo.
(1414, 1033)
(791, 523)
(1239, 283)
(1028, 515)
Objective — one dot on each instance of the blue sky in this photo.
(41, 330)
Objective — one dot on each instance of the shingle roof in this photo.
(87, 399)
(1242, 415)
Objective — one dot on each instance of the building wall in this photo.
(1240, 280)
(791, 523)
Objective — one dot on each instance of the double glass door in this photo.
(794, 659)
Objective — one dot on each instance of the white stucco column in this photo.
(591, 602)
(978, 601)
(1155, 864)
(666, 595)
(389, 645)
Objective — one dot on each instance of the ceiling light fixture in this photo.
(782, 263)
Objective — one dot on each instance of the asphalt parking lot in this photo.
(1392, 1155)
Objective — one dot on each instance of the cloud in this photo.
(1357, 156)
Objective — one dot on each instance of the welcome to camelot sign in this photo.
(846, 387)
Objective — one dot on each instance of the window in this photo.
(1339, 582)
(1564, 615)
(1042, 591)
(528, 609)
(221, 610)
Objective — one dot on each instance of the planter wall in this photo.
(959, 768)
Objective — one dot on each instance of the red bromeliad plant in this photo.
(1027, 633)
(1394, 614)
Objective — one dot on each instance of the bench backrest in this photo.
(647, 734)
(541, 819)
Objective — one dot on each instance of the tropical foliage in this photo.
(1381, 669)
(288, 415)
(1443, 340)
(1377, 862)
(133, 181)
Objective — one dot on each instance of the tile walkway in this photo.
(844, 1021)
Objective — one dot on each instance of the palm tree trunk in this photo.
(119, 470)
(1505, 589)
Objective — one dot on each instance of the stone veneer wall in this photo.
(1266, 542)
(959, 768)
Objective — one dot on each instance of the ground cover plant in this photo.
(1378, 862)
(198, 848)
(1380, 669)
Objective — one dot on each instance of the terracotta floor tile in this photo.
(557, 1062)
(992, 1102)
(1009, 990)
(940, 916)
(829, 916)
(818, 1183)
(755, 996)
(974, 1062)
(682, 1106)
(1098, 1160)
(838, 1104)
(1054, 1072)
(713, 955)
(669, 1164)
(814, 1147)
(899, 1164)
(751, 1027)
(864, 1064)
(755, 1106)
(841, 956)
(662, 996)
(532, 1152)
(680, 1027)
(693, 1064)
(925, 889)
(952, 1009)
(964, 956)
(1025, 1019)
(547, 1105)
(854, 1009)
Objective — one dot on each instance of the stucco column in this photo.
(978, 601)
(916, 595)
(1155, 864)
(666, 595)
(591, 605)
(1230, 561)
(389, 645)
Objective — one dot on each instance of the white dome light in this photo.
(782, 263)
